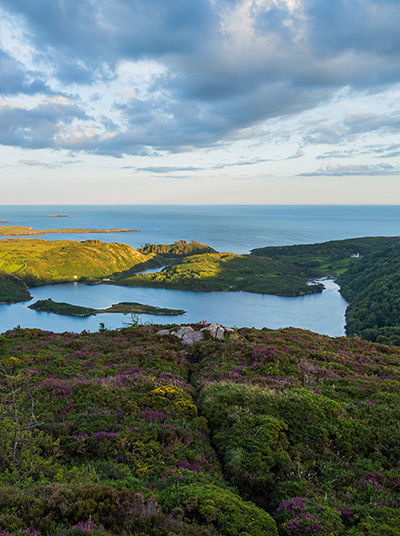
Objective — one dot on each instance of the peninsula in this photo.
(20, 230)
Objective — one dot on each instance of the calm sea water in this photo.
(226, 228)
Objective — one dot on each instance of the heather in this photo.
(265, 432)
(307, 427)
(103, 428)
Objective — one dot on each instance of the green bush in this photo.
(221, 508)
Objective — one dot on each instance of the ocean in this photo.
(234, 228)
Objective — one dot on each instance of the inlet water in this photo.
(322, 312)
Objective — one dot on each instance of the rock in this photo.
(192, 337)
(189, 336)
(216, 331)
(182, 331)
(220, 333)
(163, 332)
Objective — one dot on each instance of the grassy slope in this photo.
(42, 261)
(226, 271)
(150, 442)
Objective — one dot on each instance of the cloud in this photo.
(223, 66)
(164, 170)
(47, 165)
(323, 132)
(298, 154)
(376, 151)
(337, 154)
(340, 170)
(14, 78)
(39, 126)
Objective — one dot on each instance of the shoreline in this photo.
(14, 231)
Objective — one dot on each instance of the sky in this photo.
(199, 101)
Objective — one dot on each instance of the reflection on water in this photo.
(322, 313)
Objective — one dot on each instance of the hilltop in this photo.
(33, 262)
(259, 434)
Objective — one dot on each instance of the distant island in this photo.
(67, 309)
(57, 216)
(20, 230)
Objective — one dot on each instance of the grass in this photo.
(38, 262)
(226, 272)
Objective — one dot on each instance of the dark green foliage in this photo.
(221, 509)
(61, 308)
(181, 248)
(371, 282)
(332, 250)
(373, 289)
(226, 272)
(307, 427)
(12, 289)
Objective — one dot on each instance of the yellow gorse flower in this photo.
(12, 360)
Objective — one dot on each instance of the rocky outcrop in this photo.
(189, 335)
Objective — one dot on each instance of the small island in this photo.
(20, 230)
(67, 309)
(58, 216)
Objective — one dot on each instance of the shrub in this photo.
(221, 508)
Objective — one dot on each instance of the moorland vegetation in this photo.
(127, 433)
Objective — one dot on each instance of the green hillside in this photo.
(126, 433)
(37, 261)
(226, 272)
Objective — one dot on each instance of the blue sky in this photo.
(198, 101)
